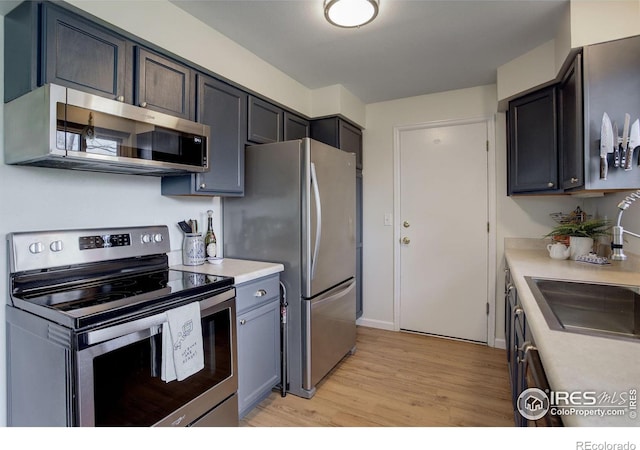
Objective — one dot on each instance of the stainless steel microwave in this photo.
(54, 126)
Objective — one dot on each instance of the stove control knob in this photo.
(146, 238)
(157, 237)
(56, 246)
(36, 247)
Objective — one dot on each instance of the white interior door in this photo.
(443, 227)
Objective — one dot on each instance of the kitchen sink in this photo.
(608, 310)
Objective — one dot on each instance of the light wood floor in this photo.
(398, 379)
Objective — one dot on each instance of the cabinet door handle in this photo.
(550, 184)
(143, 104)
(517, 311)
(574, 180)
(260, 293)
(242, 321)
(203, 185)
(526, 348)
(120, 98)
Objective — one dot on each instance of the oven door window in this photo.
(128, 391)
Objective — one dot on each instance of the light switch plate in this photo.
(388, 219)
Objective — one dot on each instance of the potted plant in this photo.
(581, 234)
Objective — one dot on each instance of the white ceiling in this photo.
(413, 47)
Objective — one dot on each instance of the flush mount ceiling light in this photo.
(350, 13)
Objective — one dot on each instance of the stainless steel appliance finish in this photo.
(589, 308)
(299, 210)
(84, 332)
(54, 126)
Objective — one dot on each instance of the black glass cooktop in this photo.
(108, 298)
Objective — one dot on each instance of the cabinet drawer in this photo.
(257, 292)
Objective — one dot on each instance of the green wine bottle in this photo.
(210, 238)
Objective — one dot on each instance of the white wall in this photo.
(516, 217)
(589, 19)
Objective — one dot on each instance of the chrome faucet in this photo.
(617, 253)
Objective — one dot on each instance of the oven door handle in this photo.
(106, 334)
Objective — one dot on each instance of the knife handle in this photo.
(629, 157)
(604, 167)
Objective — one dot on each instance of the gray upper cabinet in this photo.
(265, 121)
(224, 109)
(533, 150)
(163, 85)
(295, 127)
(339, 133)
(47, 44)
(570, 129)
(602, 78)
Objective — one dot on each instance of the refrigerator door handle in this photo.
(316, 194)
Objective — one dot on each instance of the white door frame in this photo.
(491, 215)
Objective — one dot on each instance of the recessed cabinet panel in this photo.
(339, 133)
(163, 85)
(351, 141)
(570, 128)
(258, 304)
(81, 55)
(295, 127)
(533, 151)
(223, 108)
(265, 122)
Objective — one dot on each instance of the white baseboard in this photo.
(372, 323)
(500, 343)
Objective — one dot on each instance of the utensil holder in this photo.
(193, 253)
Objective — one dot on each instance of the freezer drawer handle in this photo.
(340, 294)
(260, 293)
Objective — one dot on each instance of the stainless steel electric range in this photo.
(85, 321)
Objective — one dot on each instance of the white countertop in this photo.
(574, 362)
(241, 270)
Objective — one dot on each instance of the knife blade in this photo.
(616, 144)
(634, 141)
(606, 145)
(625, 140)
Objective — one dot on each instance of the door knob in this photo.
(406, 224)
(405, 240)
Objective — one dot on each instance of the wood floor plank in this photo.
(398, 379)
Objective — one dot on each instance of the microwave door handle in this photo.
(316, 195)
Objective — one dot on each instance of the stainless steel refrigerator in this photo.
(299, 210)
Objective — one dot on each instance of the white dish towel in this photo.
(182, 348)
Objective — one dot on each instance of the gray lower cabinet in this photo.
(258, 325)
